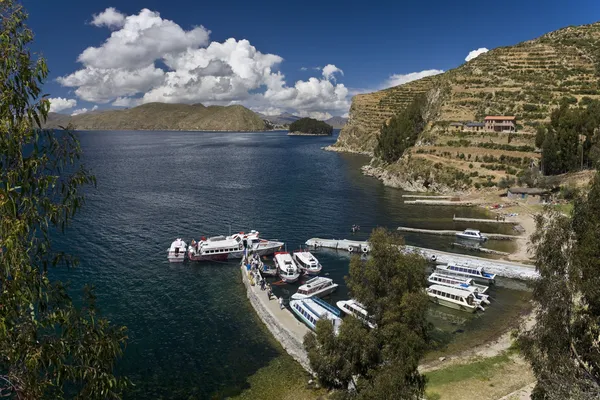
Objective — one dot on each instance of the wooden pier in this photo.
(442, 232)
(507, 269)
(484, 221)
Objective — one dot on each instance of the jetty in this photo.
(507, 269)
(280, 322)
(424, 196)
(444, 232)
(484, 221)
(480, 249)
(424, 202)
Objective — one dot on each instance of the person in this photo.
(281, 303)
(269, 292)
(262, 283)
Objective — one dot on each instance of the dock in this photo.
(507, 269)
(424, 196)
(483, 221)
(480, 249)
(443, 232)
(423, 202)
(280, 322)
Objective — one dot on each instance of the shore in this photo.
(307, 134)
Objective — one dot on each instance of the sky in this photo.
(308, 57)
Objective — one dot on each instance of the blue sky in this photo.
(277, 47)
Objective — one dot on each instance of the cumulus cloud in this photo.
(79, 111)
(330, 70)
(400, 79)
(58, 104)
(110, 18)
(474, 53)
(303, 69)
(151, 59)
(94, 108)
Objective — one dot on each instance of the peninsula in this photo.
(310, 127)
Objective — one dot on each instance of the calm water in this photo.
(192, 331)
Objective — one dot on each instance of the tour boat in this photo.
(453, 298)
(461, 270)
(288, 271)
(353, 307)
(462, 284)
(223, 248)
(313, 309)
(176, 252)
(471, 234)
(315, 287)
(307, 262)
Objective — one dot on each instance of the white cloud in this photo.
(346, 115)
(58, 104)
(110, 18)
(123, 71)
(474, 53)
(303, 69)
(94, 108)
(79, 111)
(329, 72)
(315, 114)
(400, 79)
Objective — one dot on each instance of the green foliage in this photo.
(48, 347)
(312, 126)
(402, 131)
(540, 136)
(563, 346)
(382, 362)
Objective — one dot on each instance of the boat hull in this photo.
(176, 259)
(266, 250)
(449, 304)
(471, 238)
(321, 293)
(289, 278)
(236, 255)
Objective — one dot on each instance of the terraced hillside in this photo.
(526, 80)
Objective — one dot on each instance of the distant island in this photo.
(164, 116)
(310, 127)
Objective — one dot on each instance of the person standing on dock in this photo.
(281, 303)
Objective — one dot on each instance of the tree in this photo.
(48, 347)
(550, 159)
(563, 346)
(380, 362)
(311, 126)
(540, 135)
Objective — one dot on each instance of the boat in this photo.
(314, 309)
(353, 307)
(462, 270)
(462, 284)
(288, 271)
(176, 253)
(471, 234)
(453, 298)
(223, 248)
(316, 287)
(307, 262)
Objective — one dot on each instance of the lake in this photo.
(192, 332)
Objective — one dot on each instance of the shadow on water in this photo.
(192, 331)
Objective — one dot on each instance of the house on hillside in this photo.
(456, 126)
(474, 126)
(495, 123)
(529, 195)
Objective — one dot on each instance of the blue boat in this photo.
(313, 309)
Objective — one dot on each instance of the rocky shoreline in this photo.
(307, 134)
(339, 149)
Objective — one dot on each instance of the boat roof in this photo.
(449, 290)
(284, 257)
(472, 231)
(306, 256)
(315, 282)
(456, 278)
(461, 266)
(356, 305)
(315, 308)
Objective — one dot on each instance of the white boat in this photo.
(471, 234)
(462, 284)
(462, 270)
(176, 253)
(313, 309)
(288, 271)
(453, 298)
(223, 248)
(353, 307)
(315, 287)
(307, 262)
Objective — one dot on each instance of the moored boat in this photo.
(307, 262)
(288, 271)
(223, 248)
(314, 309)
(463, 270)
(176, 253)
(460, 283)
(316, 287)
(453, 298)
(353, 307)
(471, 234)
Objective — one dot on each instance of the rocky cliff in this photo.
(162, 116)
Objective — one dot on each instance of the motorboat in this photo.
(223, 248)
(314, 309)
(287, 268)
(462, 270)
(353, 307)
(453, 298)
(307, 262)
(258, 246)
(176, 253)
(316, 287)
(471, 234)
(462, 284)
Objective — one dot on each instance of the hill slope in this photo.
(162, 116)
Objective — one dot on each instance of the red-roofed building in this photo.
(500, 123)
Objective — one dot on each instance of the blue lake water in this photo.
(192, 332)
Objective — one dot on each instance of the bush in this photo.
(471, 166)
(311, 126)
